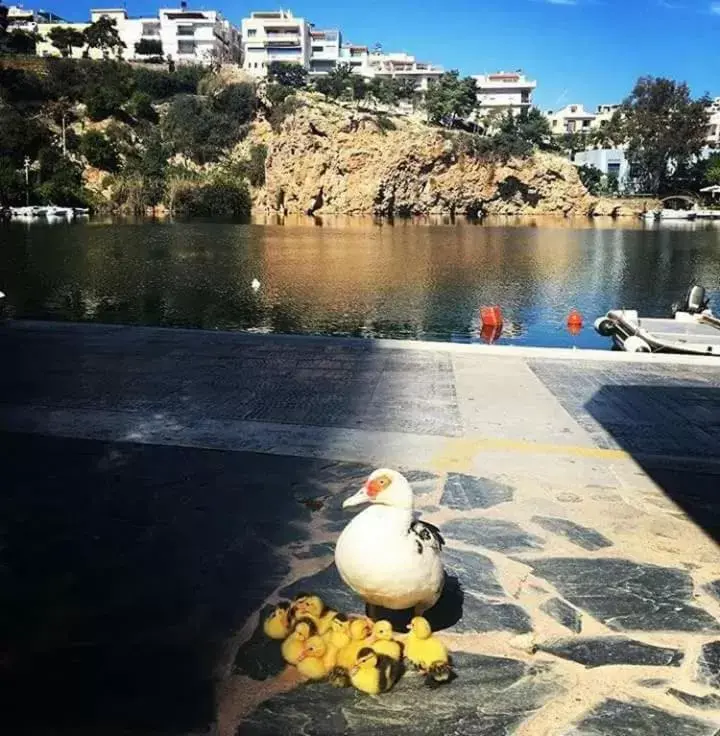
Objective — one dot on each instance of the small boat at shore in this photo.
(664, 215)
(693, 330)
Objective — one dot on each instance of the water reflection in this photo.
(356, 277)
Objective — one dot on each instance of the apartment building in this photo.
(185, 36)
(324, 50)
(275, 35)
(571, 119)
(504, 91)
(713, 137)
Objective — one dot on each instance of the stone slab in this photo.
(627, 595)
(582, 536)
(491, 696)
(612, 650)
(495, 534)
(465, 492)
(563, 613)
(620, 718)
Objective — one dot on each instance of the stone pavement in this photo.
(161, 488)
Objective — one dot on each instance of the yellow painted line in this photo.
(459, 452)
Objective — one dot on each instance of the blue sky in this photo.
(588, 51)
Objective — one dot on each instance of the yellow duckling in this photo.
(277, 624)
(339, 632)
(293, 646)
(427, 653)
(360, 631)
(317, 658)
(374, 673)
(312, 606)
(383, 642)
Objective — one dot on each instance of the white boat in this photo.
(693, 330)
(30, 211)
(665, 214)
(54, 211)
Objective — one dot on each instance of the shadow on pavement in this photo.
(127, 566)
(668, 430)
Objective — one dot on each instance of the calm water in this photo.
(354, 277)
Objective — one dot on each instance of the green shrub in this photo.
(17, 85)
(279, 112)
(140, 106)
(385, 123)
(287, 74)
(213, 199)
(591, 177)
(238, 101)
(61, 181)
(99, 151)
(161, 84)
(20, 135)
(255, 167)
(149, 47)
(278, 93)
(199, 130)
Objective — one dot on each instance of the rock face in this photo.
(329, 159)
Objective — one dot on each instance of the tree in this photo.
(712, 170)
(591, 177)
(450, 98)
(149, 47)
(288, 74)
(611, 133)
(99, 151)
(21, 42)
(335, 83)
(65, 39)
(666, 131)
(534, 127)
(383, 91)
(103, 35)
(237, 101)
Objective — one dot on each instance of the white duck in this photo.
(386, 556)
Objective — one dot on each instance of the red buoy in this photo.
(575, 320)
(491, 316)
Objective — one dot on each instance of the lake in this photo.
(356, 277)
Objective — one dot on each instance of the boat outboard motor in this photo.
(695, 302)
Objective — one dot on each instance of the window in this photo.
(185, 31)
(586, 123)
(573, 108)
(252, 32)
(186, 47)
(150, 29)
(318, 49)
(613, 170)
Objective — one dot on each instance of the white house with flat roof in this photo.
(504, 91)
(186, 36)
(571, 119)
(274, 35)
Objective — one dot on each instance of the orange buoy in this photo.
(490, 333)
(574, 321)
(491, 316)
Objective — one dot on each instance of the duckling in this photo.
(339, 632)
(317, 658)
(360, 631)
(312, 606)
(427, 653)
(293, 646)
(383, 642)
(374, 673)
(277, 624)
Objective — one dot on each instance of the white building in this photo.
(571, 119)
(713, 137)
(324, 50)
(185, 36)
(504, 91)
(611, 161)
(275, 35)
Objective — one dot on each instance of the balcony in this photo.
(282, 39)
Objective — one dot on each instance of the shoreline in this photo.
(508, 351)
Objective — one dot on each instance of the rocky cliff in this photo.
(331, 159)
